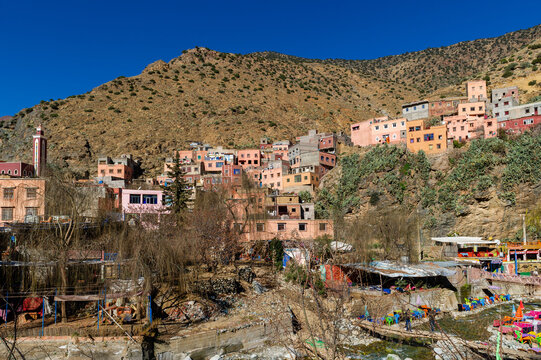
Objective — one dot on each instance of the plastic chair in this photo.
(389, 320)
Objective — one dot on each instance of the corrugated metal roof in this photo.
(394, 269)
(465, 240)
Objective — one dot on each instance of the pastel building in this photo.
(519, 125)
(462, 128)
(121, 168)
(22, 200)
(288, 229)
(272, 175)
(16, 169)
(445, 107)
(379, 130)
(476, 90)
(472, 109)
(430, 139)
(143, 205)
(415, 110)
(510, 91)
(232, 175)
(301, 180)
(249, 157)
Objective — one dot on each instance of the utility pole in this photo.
(524, 229)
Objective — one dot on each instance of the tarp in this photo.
(111, 296)
(465, 240)
(394, 269)
(340, 246)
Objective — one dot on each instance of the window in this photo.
(527, 111)
(489, 123)
(135, 199)
(305, 177)
(8, 193)
(281, 226)
(507, 113)
(506, 103)
(7, 214)
(418, 139)
(31, 193)
(429, 137)
(464, 109)
(355, 128)
(440, 137)
(150, 199)
(16, 172)
(377, 127)
(236, 171)
(322, 226)
(260, 227)
(528, 121)
(386, 126)
(302, 226)
(402, 123)
(394, 125)
(119, 171)
(412, 141)
(472, 108)
(480, 108)
(111, 171)
(31, 211)
(415, 108)
(417, 128)
(411, 129)
(430, 147)
(454, 128)
(298, 178)
(377, 138)
(497, 114)
(462, 128)
(438, 146)
(496, 105)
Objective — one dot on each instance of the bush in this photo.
(507, 73)
(532, 83)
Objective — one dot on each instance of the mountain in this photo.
(234, 100)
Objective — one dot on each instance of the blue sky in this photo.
(53, 49)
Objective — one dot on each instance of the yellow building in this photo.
(430, 139)
(301, 181)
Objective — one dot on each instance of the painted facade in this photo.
(430, 139)
(21, 200)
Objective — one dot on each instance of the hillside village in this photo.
(225, 206)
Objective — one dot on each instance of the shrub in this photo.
(532, 83)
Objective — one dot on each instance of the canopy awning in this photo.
(465, 240)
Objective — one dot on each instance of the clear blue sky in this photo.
(53, 49)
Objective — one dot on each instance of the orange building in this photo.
(430, 139)
(288, 229)
(21, 200)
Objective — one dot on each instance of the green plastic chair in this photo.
(389, 320)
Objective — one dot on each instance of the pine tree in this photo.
(177, 193)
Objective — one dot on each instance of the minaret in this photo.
(40, 152)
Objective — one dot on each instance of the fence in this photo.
(476, 274)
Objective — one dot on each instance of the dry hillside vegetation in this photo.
(234, 100)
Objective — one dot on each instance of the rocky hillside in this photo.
(481, 189)
(234, 100)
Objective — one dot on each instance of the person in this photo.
(432, 319)
(407, 317)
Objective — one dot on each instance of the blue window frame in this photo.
(150, 199)
(236, 171)
(135, 198)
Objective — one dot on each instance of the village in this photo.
(227, 251)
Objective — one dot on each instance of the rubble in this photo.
(246, 274)
(214, 287)
(258, 288)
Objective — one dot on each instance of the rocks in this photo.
(393, 357)
(218, 286)
(258, 288)
(444, 350)
(246, 274)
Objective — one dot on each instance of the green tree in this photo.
(177, 193)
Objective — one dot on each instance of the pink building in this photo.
(145, 206)
(519, 125)
(289, 229)
(121, 167)
(472, 109)
(476, 90)
(186, 156)
(272, 175)
(16, 169)
(462, 128)
(232, 175)
(249, 157)
(379, 130)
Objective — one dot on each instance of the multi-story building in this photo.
(501, 108)
(476, 90)
(519, 125)
(272, 175)
(445, 107)
(301, 179)
(249, 157)
(415, 110)
(121, 168)
(232, 175)
(22, 200)
(462, 128)
(472, 109)
(288, 229)
(499, 94)
(16, 169)
(379, 130)
(430, 139)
